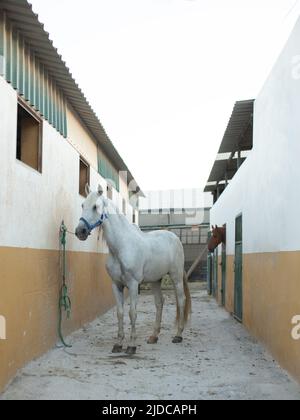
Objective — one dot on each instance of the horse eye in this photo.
(95, 208)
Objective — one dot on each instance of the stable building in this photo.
(254, 181)
(52, 145)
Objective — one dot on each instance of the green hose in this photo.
(64, 300)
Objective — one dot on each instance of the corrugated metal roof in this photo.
(238, 137)
(224, 166)
(239, 132)
(26, 21)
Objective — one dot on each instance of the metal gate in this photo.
(238, 270)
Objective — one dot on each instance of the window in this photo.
(133, 218)
(109, 192)
(29, 138)
(84, 176)
(124, 206)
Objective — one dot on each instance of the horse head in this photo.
(218, 237)
(93, 213)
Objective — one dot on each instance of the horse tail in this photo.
(188, 301)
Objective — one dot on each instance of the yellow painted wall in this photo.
(229, 284)
(271, 298)
(81, 138)
(29, 301)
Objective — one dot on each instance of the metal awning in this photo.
(237, 140)
(26, 21)
(222, 167)
(239, 132)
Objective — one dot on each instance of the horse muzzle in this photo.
(82, 233)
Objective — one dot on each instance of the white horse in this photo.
(135, 257)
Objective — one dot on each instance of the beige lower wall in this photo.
(29, 292)
(271, 298)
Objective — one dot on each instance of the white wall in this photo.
(266, 188)
(33, 204)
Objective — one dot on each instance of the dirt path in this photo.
(218, 360)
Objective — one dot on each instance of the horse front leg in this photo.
(119, 296)
(133, 294)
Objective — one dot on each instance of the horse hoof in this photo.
(117, 349)
(152, 340)
(177, 340)
(131, 351)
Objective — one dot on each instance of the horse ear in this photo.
(87, 189)
(100, 190)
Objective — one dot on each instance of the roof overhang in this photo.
(239, 132)
(233, 151)
(26, 21)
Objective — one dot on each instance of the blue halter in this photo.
(97, 224)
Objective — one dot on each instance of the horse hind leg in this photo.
(159, 303)
(133, 293)
(183, 304)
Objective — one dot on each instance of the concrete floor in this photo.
(218, 360)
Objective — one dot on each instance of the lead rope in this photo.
(64, 300)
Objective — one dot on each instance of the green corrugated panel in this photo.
(54, 104)
(56, 119)
(42, 90)
(21, 88)
(47, 106)
(14, 60)
(61, 114)
(8, 47)
(26, 73)
(60, 108)
(57, 109)
(65, 120)
(50, 101)
(20, 66)
(32, 80)
(37, 86)
(107, 171)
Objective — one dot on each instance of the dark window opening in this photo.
(84, 176)
(239, 229)
(29, 139)
(133, 218)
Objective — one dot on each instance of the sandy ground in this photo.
(218, 360)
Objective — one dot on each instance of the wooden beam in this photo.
(196, 262)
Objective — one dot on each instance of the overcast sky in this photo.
(163, 75)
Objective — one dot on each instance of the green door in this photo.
(238, 269)
(215, 274)
(209, 273)
(223, 291)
